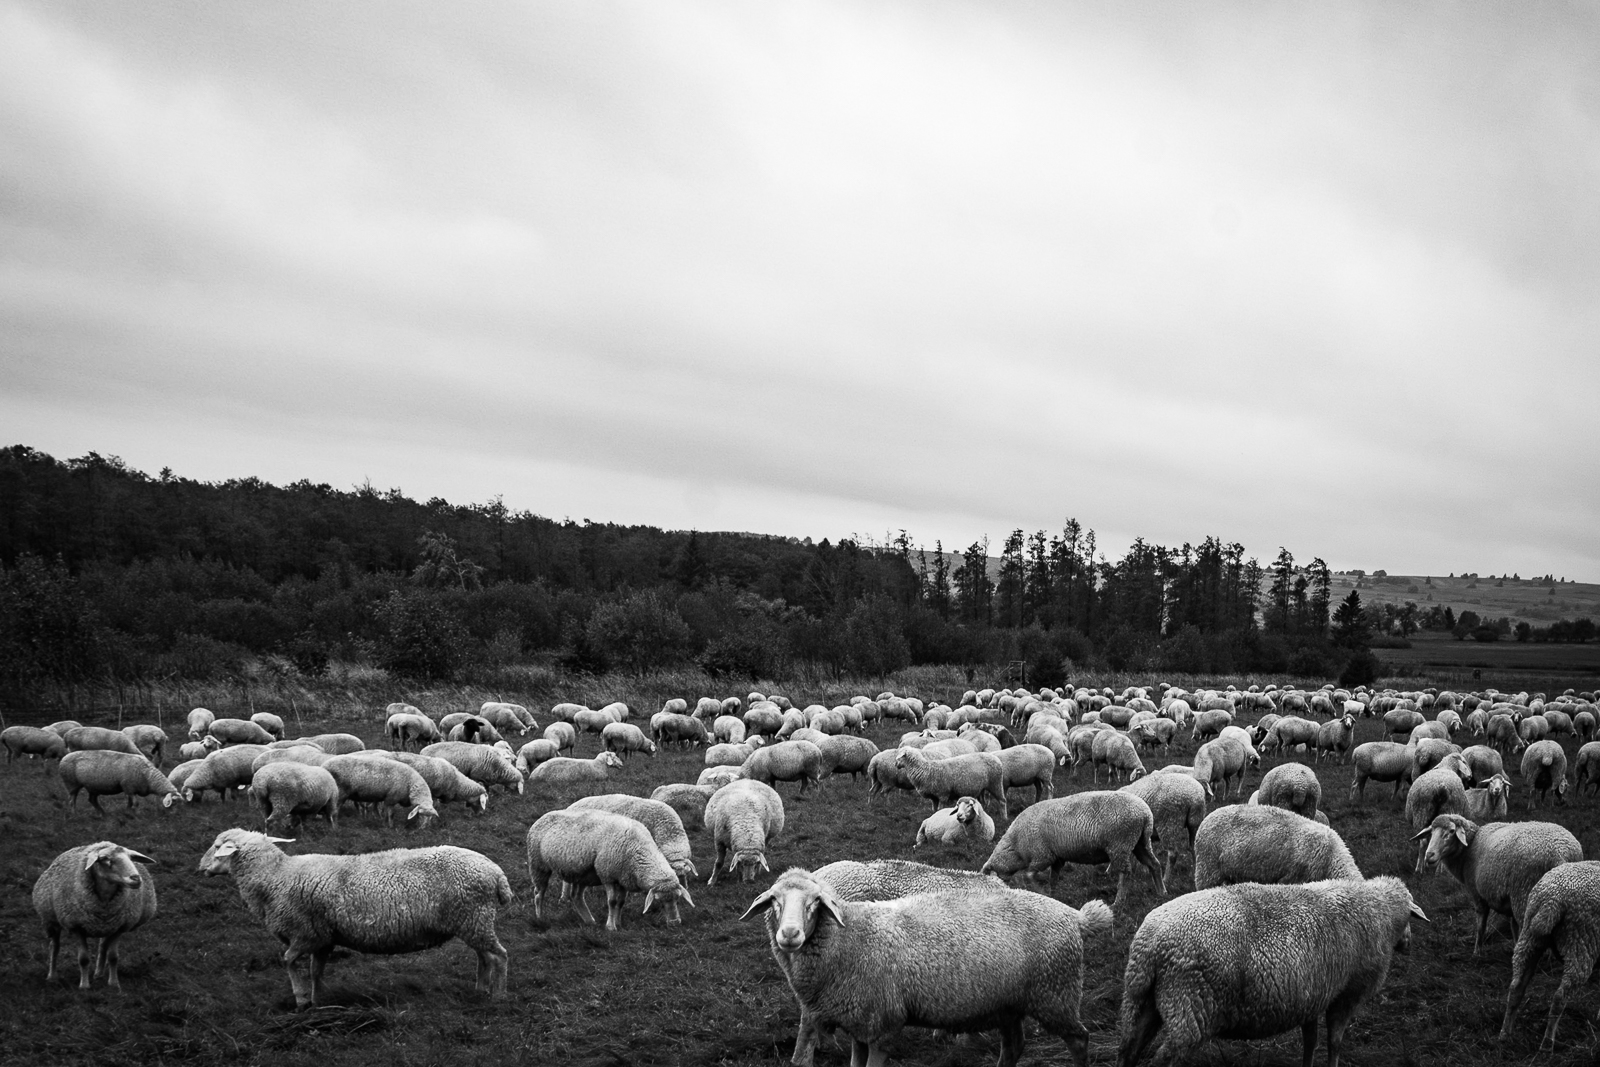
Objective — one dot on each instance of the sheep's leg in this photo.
(107, 962)
(616, 896)
(53, 942)
(305, 992)
(806, 1040)
(94, 802)
(318, 964)
(1143, 853)
(1011, 1042)
(1483, 926)
(1574, 975)
(83, 960)
(1524, 962)
(1145, 1025)
(1308, 1039)
(581, 905)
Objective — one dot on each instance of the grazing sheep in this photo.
(1585, 769)
(1253, 843)
(1293, 786)
(1218, 761)
(239, 732)
(590, 721)
(1402, 721)
(959, 959)
(289, 791)
(1178, 804)
(1380, 761)
(729, 728)
(1251, 961)
(102, 772)
(1561, 914)
(1152, 732)
(1094, 827)
(62, 726)
(411, 729)
(624, 738)
(1027, 765)
(307, 754)
(596, 847)
(726, 754)
(504, 718)
(1118, 753)
(534, 753)
(674, 729)
(33, 742)
(743, 817)
(269, 722)
(717, 777)
(195, 750)
(977, 774)
(846, 754)
(148, 739)
(445, 782)
(563, 771)
(786, 761)
(689, 801)
(884, 777)
(1210, 723)
(566, 712)
(1290, 732)
(402, 900)
(93, 891)
(199, 722)
(473, 728)
(1498, 864)
(481, 763)
(563, 734)
(965, 822)
(100, 739)
(1544, 767)
(384, 782)
(665, 827)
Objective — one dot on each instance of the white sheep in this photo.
(480, 763)
(191, 750)
(1218, 761)
(33, 742)
(563, 734)
(464, 726)
(506, 718)
(411, 728)
(586, 848)
(624, 738)
(564, 771)
(786, 761)
(665, 827)
(1093, 827)
(445, 781)
(94, 891)
(1251, 843)
(1117, 753)
(728, 754)
(536, 752)
(1178, 805)
(729, 728)
(383, 782)
(289, 791)
(100, 739)
(333, 744)
(1336, 736)
(149, 739)
(1563, 913)
(402, 900)
(957, 959)
(199, 722)
(948, 780)
(1544, 768)
(102, 772)
(269, 722)
(1029, 765)
(743, 817)
(846, 754)
(1497, 864)
(239, 732)
(1293, 786)
(689, 801)
(967, 821)
(1250, 961)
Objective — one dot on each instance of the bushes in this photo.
(640, 632)
(1362, 669)
(420, 637)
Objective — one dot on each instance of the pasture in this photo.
(204, 984)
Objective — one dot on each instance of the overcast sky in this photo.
(1323, 276)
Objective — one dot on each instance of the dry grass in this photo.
(204, 983)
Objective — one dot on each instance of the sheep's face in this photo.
(115, 865)
(966, 810)
(668, 893)
(746, 863)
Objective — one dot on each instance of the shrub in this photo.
(1361, 669)
(420, 637)
(640, 632)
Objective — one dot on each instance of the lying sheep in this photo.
(1544, 768)
(689, 801)
(563, 772)
(102, 772)
(786, 761)
(1252, 843)
(1093, 827)
(966, 821)
(1178, 804)
(1497, 864)
(33, 742)
(385, 783)
(666, 828)
(94, 891)
(599, 848)
(99, 739)
(239, 732)
(956, 959)
(481, 763)
(978, 774)
(289, 791)
(1293, 786)
(402, 900)
(1561, 914)
(624, 738)
(1250, 961)
(743, 817)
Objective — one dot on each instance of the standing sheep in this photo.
(31, 741)
(563, 734)
(1562, 915)
(786, 761)
(1336, 736)
(289, 791)
(1178, 805)
(148, 739)
(1497, 864)
(1293, 786)
(383, 782)
(956, 959)
(402, 900)
(409, 728)
(743, 818)
(1251, 843)
(1094, 827)
(101, 772)
(976, 774)
(534, 753)
(480, 763)
(688, 801)
(1251, 961)
(239, 732)
(445, 782)
(269, 722)
(99, 739)
(93, 891)
(1117, 753)
(199, 722)
(1544, 767)
(624, 738)
(587, 848)
(665, 827)
(846, 754)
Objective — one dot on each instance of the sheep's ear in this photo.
(1420, 834)
(827, 899)
(140, 857)
(763, 859)
(1461, 836)
(649, 899)
(758, 903)
(683, 891)
(1419, 913)
(92, 857)
(226, 849)
(280, 840)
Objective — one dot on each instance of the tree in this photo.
(639, 632)
(1350, 626)
(974, 588)
(442, 566)
(1280, 617)
(1523, 631)
(875, 642)
(938, 594)
(421, 637)
(1321, 595)
(690, 567)
(1011, 590)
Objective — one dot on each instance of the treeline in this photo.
(111, 575)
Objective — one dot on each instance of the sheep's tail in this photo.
(1094, 920)
(502, 888)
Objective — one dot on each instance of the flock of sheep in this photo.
(1281, 931)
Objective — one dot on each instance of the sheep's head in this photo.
(797, 901)
(610, 759)
(219, 857)
(1447, 836)
(745, 861)
(111, 865)
(668, 893)
(966, 810)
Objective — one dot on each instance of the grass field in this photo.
(203, 984)
(1517, 599)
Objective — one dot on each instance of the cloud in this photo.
(1317, 278)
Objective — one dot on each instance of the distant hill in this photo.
(1534, 601)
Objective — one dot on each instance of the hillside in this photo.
(1522, 600)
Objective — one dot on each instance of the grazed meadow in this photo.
(203, 983)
